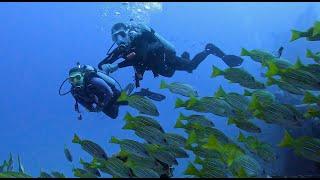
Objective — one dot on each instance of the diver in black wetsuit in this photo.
(144, 49)
(94, 90)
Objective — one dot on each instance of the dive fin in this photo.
(129, 88)
(232, 60)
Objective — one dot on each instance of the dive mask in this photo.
(76, 79)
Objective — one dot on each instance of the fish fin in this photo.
(182, 116)
(258, 114)
(216, 72)
(179, 124)
(242, 173)
(298, 63)
(271, 81)
(123, 97)
(245, 52)
(231, 121)
(309, 53)
(316, 28)
(76, 139)
(192, 138)
(191, 170)
(247, 93)
(21, 168)
(213, 143)
(287, 140)
(198, 160)
(295, 35)
(163, 84)
(254, 105)
(241, 137)
(82, 161)
(232, 60)
(220, 92)
(192, 101)
(309, 97)
(179, 103)
(273, 70)
(313, 113)
(114, 140)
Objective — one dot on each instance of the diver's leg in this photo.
(230, 60)
(198, 58)
(166, 70)
(184, 64)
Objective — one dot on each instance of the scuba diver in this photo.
(94, 90)
(144, 49)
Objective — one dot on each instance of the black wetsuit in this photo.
(97, 91)
(152, 54)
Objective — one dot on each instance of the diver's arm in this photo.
(88, 106)
(126, 63)
(111, 58)
(102, 86)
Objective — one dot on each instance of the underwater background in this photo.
(40, 42)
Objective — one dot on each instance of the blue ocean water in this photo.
(40, 42)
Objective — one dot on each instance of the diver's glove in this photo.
(109, 68)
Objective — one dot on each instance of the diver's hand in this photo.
(131, 55)
(109, 68)
(96, 108)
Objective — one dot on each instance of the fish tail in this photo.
(192, 101)
(295, 35)
(247, 93)
(179, 124)
(273, 70)
(128, 117)
(114, 140)
(212, 143)
(182, 116)
(271, 81)
(231, 121)
(254, 105)
(216, 72)
(128, 125)
(309, 53)
(198, 160)
(312, 113)
(76, 139)
(179, 103)
(191, 170)
(287, 140)
(81, 161)
(220, 92)
(245, 52)
(163, 84)
(241, 137)
(123, 97)
(192, 138)
(309, 98)
(316, 28)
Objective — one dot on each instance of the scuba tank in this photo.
(169, 48)
(95, 72)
